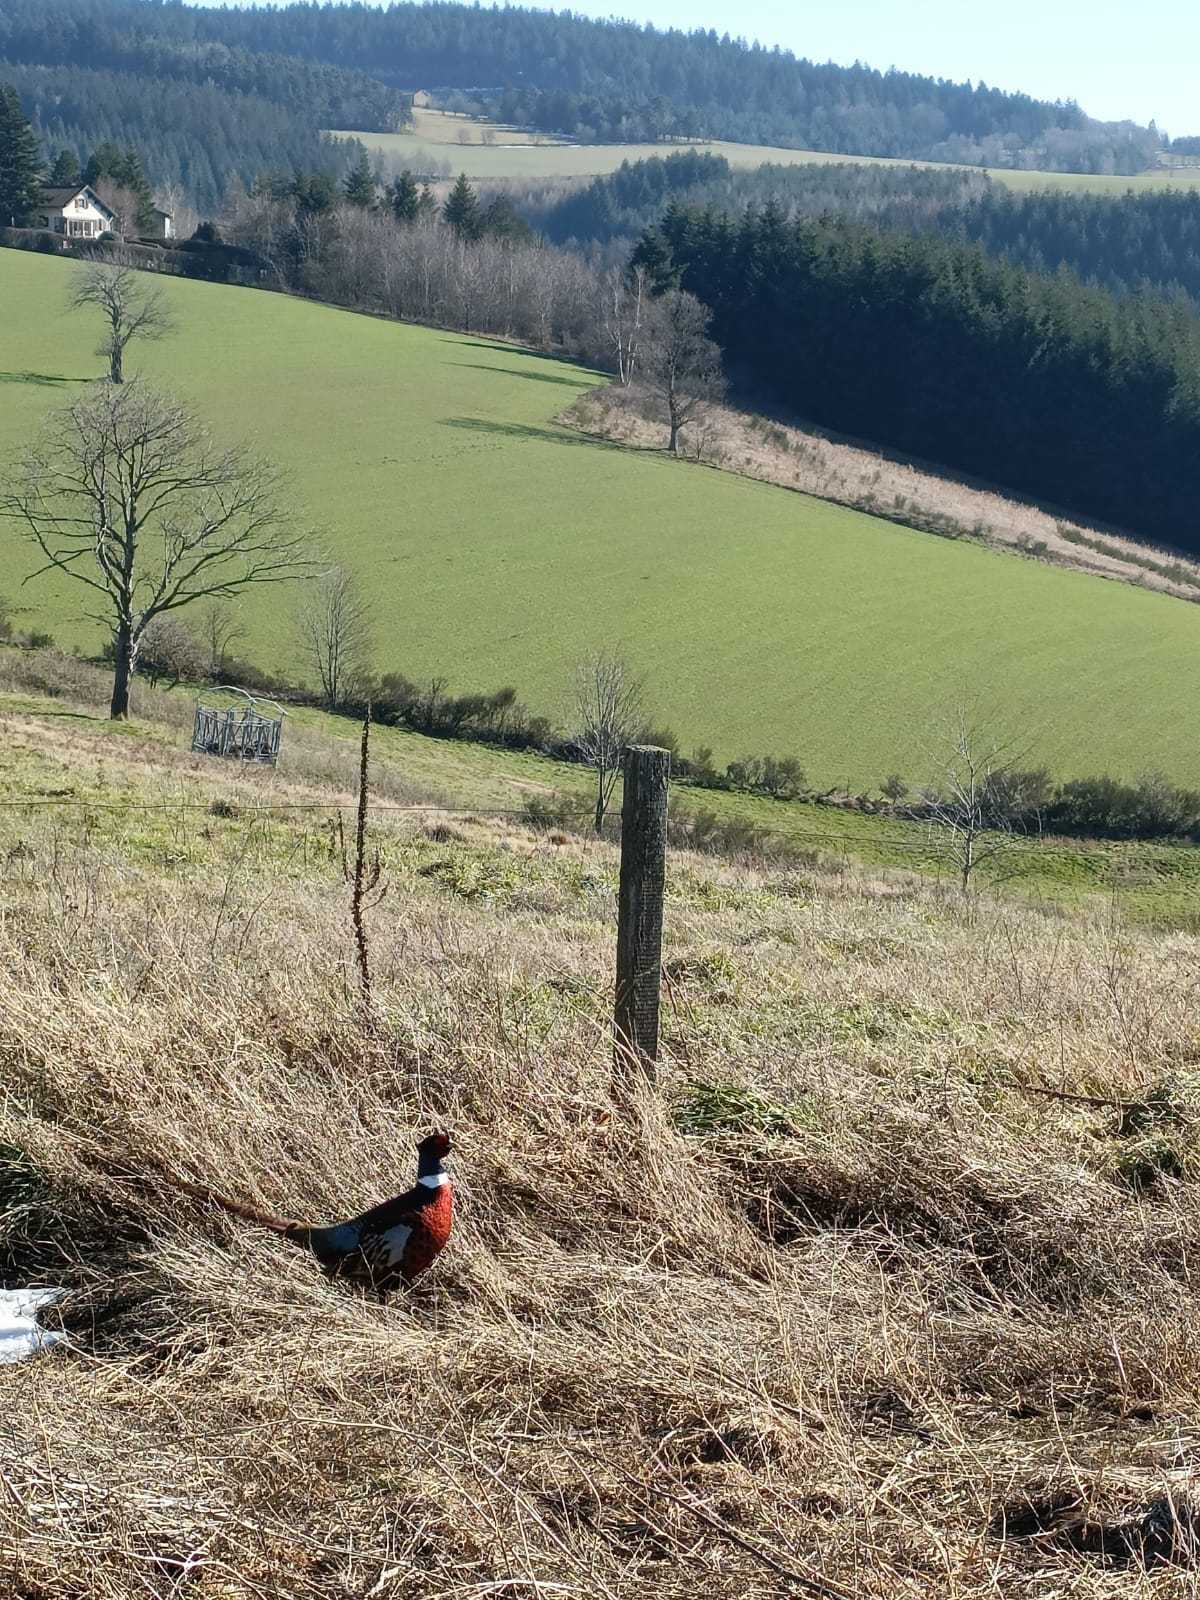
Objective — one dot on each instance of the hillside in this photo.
(192, 84)
(429, 464)
(840, 1302)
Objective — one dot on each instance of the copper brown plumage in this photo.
(382, 1249)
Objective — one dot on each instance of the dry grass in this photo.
(819, 1310)
(853, 475)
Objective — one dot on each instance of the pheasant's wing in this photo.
(373, 1243)
(388, 1213)
(336, 1244)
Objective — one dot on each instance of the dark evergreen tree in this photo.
(427, 206)
(66, 171)
(20, 163)
(405, 198)
(461, 209)
(314, 193)
(359, 187)
(121, 166)
(500, 219)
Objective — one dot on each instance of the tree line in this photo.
(127, 37)
(558, 72)
(1040, 383)
(1127, 243)
(468, 264)
(623, 204)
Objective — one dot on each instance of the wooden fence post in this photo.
(640, 912)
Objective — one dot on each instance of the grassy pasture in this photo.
(498, 546)
(1150, 884)
(439, 137)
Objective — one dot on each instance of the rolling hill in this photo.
(208, 91)
(498, 546)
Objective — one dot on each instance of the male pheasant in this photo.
(384, 1248)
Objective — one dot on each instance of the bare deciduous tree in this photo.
(130, 309)
(124, 203)
(170, 651)
(220, 631)
(174, 199)
(623, 298)
(334, 626)
(609, 714)
(979, 797)
(126, 493)
(680, 365)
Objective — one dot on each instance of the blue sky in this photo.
(1116, 58)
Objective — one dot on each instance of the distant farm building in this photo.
(76, 213)
(164, 225)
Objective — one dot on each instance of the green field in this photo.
(498, 547)
(522, 159)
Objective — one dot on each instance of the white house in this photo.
(76, 213)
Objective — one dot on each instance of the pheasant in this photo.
(384, 1248)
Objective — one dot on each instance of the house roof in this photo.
(56, 199)
(159, 212)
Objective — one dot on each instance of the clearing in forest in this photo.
(485, 150)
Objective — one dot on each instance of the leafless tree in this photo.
(125, 204)
(623, 299)
(681, 366)
(219, 631)
(260, 222)
(334, 626)
(170, 651)
(185, 219)
(130, 309)
(609, 713)
(126, 493)
(976, 801)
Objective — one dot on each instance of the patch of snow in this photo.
(21, 1336)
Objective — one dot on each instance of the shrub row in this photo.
(1151, 807)
(1029, 801)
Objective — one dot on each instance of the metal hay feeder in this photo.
(230, 722)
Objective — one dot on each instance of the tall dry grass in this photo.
(830, 1310)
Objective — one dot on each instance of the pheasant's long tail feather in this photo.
(297, 1231)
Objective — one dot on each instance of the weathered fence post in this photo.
(640, 912)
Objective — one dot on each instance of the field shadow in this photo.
(51, 378)
(533, 377)
(523, 430)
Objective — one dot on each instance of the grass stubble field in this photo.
(438, 137)
(499, 546)
(839, 1307)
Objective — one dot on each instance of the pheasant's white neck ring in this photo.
(435, 1180)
